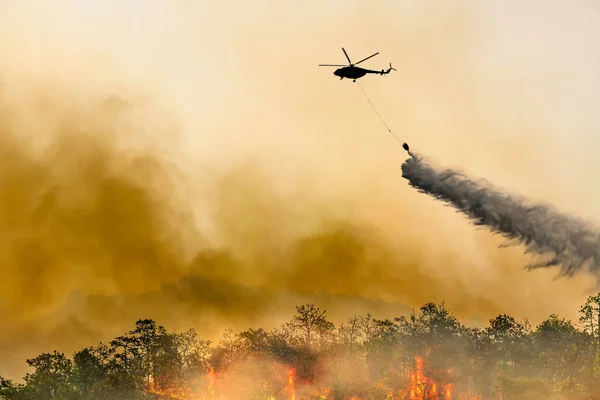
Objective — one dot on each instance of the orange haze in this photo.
(195, 165)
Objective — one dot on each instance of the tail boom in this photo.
(383, 71)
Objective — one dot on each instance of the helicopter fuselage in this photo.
(352, 72)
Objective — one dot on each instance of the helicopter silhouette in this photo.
(351, 72)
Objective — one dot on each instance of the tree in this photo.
(590, 321)
(483, 357)
(365, 357)
(357, 330)
(311, 322)
(195, 353)
(88, 371)
(560, 351)
(282, 345)
(117, 386)
(11, 391)
(51, 378)
(167, 364)
(590, 316)
(228, 350)
(148, 354)
(446, 342)
(438, 321)
(510, 340)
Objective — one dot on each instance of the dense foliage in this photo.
(426, 355)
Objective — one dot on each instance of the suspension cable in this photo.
(379, 115)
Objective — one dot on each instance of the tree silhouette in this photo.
(428, 354)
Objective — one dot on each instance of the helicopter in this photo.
(352, 72)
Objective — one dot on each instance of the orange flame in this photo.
(424, 388)
(419, 387)
(290, 386)
(211, 382)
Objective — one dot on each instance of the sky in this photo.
(190, 161)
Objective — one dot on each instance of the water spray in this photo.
(570, 242)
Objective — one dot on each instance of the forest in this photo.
(428, 354)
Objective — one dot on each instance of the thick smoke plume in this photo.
(570, 242)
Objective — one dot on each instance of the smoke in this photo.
(571, 242)
(95, 233)
(98, 227)
(75, 210)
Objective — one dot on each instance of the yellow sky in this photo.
(283, 166)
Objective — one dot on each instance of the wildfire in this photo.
(423, 388)
(290, 385)
(211, 382)
(419, 387)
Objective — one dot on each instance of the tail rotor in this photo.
(383, 72)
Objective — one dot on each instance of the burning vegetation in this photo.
(427, 355)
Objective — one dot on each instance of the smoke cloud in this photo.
(202, 170)
(571, 242)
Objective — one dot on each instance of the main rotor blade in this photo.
(331, 65)
(346, 54)
(365, 59)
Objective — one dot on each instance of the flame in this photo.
(290, 386)
(449, 392)
(424, 388)
(419, 383)
(419, 387)
(211, 383)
